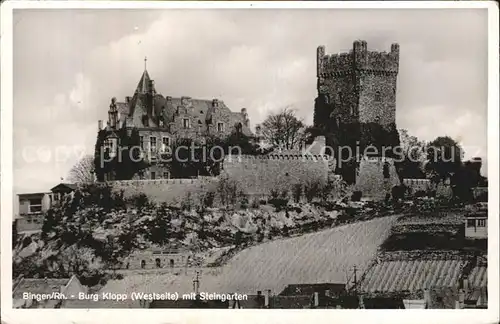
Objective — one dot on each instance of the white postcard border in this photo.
(13, 316)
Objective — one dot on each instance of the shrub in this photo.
(398, 192)
(297, 192)
(244, 202)
(420, 194)
(279, 203)
(208, 199)
(312, 190)
(356, 195)
(140, 201)
(229, 191)
(482, 197)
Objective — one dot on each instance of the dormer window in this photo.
(145, 121)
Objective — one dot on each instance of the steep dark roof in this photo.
(70, 186)
(143, 85)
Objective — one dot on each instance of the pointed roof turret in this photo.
(145, 82)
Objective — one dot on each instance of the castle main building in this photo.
(161, 120)
(358, 86)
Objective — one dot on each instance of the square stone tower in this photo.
(358, 86)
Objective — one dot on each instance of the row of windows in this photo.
(186, 124)
(166, 140)
(157, 263)
(476, 223)
(153, 142)
(153, 175)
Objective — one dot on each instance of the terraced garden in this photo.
(326, 256)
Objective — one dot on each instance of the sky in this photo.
(68, 64)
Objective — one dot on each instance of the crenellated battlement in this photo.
(357, 59)
(241, 158)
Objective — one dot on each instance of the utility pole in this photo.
(196, 283)
(355, 280)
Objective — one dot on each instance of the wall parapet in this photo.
(277, 157)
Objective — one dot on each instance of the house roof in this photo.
(383, 303)
(309, 289)
(70, 186)
(412, 275)
(38, 286)
(416, 275)
(33, 194)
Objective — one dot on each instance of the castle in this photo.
(160, 121)
(358, 86)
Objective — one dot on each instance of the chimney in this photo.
(168, 98)
(215, 103)
(99, 125)
(127, 99)
(316, 299)
(461, 299)
(267, 299)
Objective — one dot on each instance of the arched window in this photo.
(143, 264)
(172, 263)
(158, 262)
(377, 96)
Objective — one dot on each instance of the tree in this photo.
(128, 160)
(410, 157)
(444, 156)
(283, 129)
(82, 171)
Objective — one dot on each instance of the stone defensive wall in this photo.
(259, 175)
(253, 175)
(164, 190)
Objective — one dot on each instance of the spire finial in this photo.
(145, 61)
